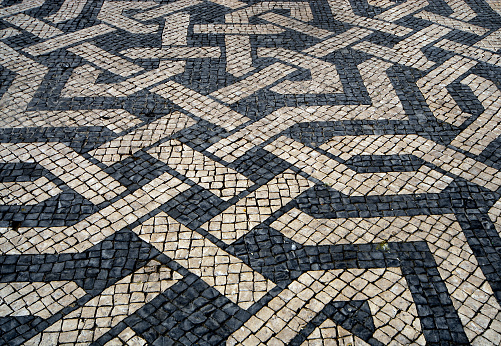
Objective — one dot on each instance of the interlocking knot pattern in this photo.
(311, 172)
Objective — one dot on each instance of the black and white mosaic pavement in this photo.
(322, 172)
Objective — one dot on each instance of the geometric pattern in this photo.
(250, 172)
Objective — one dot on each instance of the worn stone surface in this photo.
(311, 172)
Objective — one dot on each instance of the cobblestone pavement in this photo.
(322, 172)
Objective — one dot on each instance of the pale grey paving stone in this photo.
(381, 3)
(173, 52)
(72, 168)
(68, 39)
(298, 10)
(438, 98)
(446, 158)
(70, 9)
(490, 42)
(486, 127)
(349, 182)
(282, 318)
(237, 29)
(399, 11)
(33, 26)
(224, 182)
(82, 82)
(176, 29)
(324, 76)
(166, 9)
(408, 51)
(233, 4)
(238, 55)
(27, 192)
(238, 219)
(124, 146)
(105, 60)
(111, 13)
(253, 83)
(37, 298)
(127, 337)
(29, 76)
(293, 24)
(96, 227)
(200, 105)
(495, 5)
(25, 5)
(116, 120)
(220, 270)
(328, 333)
(342, 11)
(470, 52)
(452, 23)
(338, 42)
(9, 32)
(89, 322)
(470, 291)
(461, 10)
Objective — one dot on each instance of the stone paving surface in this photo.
(322, 172)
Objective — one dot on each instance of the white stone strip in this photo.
(461, 10)
(82, 82)
(490, 42)
(298, 10)
(37, 298)
(174, 52)
(452, 23)
(401, 10)
(337, 42)
(109, 308)
(238, 55)
(105, 60)
(470, 52)
(166, 9)
(253, 83)
(233, 4)
(433, 86)
(111, 13)
(116, 120)
(224, 182)
(342, 11)
(9, 32)
(446, 158)
(68, 39)
(77, 172)
(25, 5)
(27, 192)
(175, 30)
(408, 51)
(294, 24)
(486, 128)
(237, 29)
(385, 105)
(287, 314)
(200, 105)
(96, 227)
(124, 146)
(349, 182)
(324, 76)
(70, 9)
(29, 76)
(34, 26)
(240, 218)
(220, 270)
